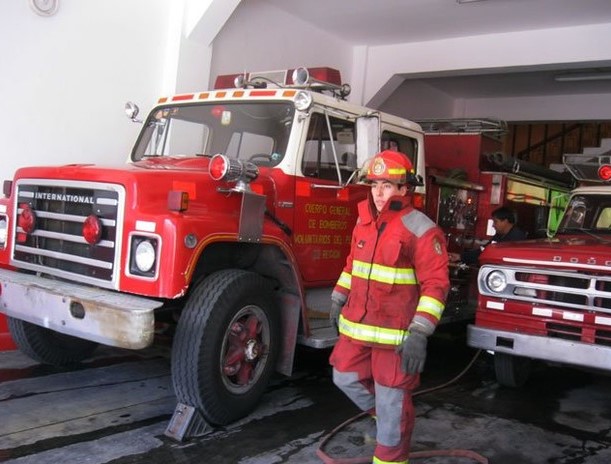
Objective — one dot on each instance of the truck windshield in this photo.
(258, 132)
(590, 213)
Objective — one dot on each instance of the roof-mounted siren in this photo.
(318, 79)
(590, 168)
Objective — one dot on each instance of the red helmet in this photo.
(391, 166)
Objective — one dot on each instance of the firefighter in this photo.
(504, 222)
(387, 301)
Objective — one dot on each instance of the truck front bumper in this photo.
(103, 316)
(537, 347)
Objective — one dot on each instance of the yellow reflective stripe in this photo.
(380, 461)
(345, 280)
(397, 171)
(393, 275)
(371, 333)
(384, 274)
(431, 306)
(361, 269)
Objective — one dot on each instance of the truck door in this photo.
(326, 197)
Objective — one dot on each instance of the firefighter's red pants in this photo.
(373, 379)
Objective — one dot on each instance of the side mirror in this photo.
(132, 110)
(367, 137)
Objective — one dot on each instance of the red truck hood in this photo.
(199, 164)
(148, 181)
(564, 251)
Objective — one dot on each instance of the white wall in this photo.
(551, 108)
(66, 78)
(528, 50)
(418, 100)
(260, 37)
(203, 19)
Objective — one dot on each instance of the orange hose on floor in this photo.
(414, 455)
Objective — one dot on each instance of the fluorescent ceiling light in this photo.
(460, 2)
(575, 77)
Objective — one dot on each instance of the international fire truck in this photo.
(231, 221)
(242, 248)
(550, 299)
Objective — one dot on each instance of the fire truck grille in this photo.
(603, 337)
(55, 244)
(583, 291)
(564, 331)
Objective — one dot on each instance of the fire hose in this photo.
(463, 453)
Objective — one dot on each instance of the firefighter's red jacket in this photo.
(395, 275)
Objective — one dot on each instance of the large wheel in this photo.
(511, 371)
(47, 346)
(226, 345)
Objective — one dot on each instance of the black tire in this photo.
(226, 345)
(511, 371)
(47, 346)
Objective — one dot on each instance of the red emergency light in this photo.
(604, 172)
(26, 221)
(281, 78)
(92, 229)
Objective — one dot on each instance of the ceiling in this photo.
(380, 22)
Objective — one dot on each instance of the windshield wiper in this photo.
(588, 232)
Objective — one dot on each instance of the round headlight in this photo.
(496, 281)
(3, 231)
(145, 256)
(303, 101)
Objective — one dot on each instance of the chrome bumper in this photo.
(103, 316)
(537, 347)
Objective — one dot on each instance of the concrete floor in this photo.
(115, 409)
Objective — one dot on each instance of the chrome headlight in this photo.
(303, 101)
(496, 281)
(144, 257)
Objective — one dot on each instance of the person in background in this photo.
(393, 145)
(387, 302)
(504, 222)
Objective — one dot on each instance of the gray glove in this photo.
(413, 352)
(336, 308)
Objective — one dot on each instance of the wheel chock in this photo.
(187, 422)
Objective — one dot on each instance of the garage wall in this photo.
(418, 100)
(594, 107)
(560, 48)
(66, 78)
(260, 37)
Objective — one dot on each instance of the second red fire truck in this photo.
(550, 299)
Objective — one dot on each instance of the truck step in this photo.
(322, 335)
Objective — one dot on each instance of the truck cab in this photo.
(232, 219)
(550, 299)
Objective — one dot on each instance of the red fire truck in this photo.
(468, 177)
(550, 299)
(241, 249)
